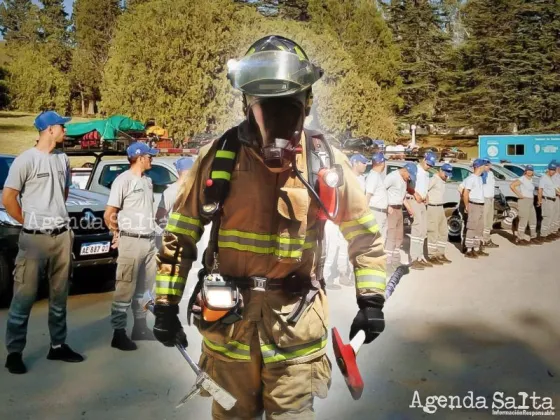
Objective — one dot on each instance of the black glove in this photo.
(369, 318)
(167, 328)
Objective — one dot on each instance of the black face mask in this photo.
(277, 124)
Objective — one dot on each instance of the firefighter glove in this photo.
(167, 328)
(369, 318)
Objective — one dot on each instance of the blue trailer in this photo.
(536, 149)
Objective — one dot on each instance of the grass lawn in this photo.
(17, 134)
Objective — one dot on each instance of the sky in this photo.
(67, 5)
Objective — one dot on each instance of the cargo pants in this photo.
(437, 230)
(556, 219)
(419, 230)
(39, 253)
(527, 216)
(268, 364)
(475, 225)
(547, 215)
(136, 274)
(488, 219)
(395, 236)
(381, 219)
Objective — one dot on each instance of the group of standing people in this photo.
(408, 187)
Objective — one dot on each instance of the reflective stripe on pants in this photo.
(437, 231)
(488, 218)
(419, 230)
(475, 225)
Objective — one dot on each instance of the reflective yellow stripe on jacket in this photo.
(270, 352)
(184, 225)
(364, 225)
(367, 278)
(170, 285)
(266, 244)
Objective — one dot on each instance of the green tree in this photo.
(508, 70)
(176, 71)
(418, 28)
(94, 23)
(15, 20)
(360, 29)
(282, 9)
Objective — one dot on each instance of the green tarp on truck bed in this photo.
(108, 128)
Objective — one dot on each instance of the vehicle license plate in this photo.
(95, 248)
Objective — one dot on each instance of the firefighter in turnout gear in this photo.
(259, 303)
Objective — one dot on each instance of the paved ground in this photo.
(484, 326)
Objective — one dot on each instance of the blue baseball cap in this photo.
(359, 158)
(138, 149)
(183, 164)
(412, 170)
(45, 119)
(529, 168)
(486, 161)
(478, 163)
(430, 158)
(447, 168)
(552, 166)
(378, 158)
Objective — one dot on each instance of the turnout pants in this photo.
(488, 219)
(527, 217)
(39, 254)
(336, 255)
(136, 273)
(475, 225)
(395, 235)
(548, 207)
(437, 231)
(419, 230)
(268, 364)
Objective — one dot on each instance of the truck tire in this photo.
(6, 281)
(511, 220)
(454, 226)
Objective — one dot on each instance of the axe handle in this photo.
(357, 341)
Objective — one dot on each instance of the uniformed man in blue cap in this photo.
(417, 202)
(376, 194)
(396, 184)
(525, 191)
(437, 222)
(359, 164)
(473, 200)
(35, 194)
(170, 194)
(489, 185)
(547, 201)
(130, 217)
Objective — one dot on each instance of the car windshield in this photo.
(516, 169)
(5, 163)
(504, 172)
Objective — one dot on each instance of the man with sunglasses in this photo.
(130, 217)
(35, 195)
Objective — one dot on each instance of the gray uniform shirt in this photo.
(436, 190)
(41, 179)
(134, 196)
(168, 197)
(396, 188)
(474, 184)
(547, 184)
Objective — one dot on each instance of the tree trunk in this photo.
(91, 107)
(83, 104)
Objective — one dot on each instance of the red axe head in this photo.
(346, 361)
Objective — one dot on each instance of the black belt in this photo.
(138, 235)
(379, 209)
(290, 284)
(476, 204)
(395, 206)
(550, 199)
(52, 232)
(435, 205)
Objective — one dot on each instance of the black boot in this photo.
(140, 331)
(121, 341)
(14, 363)
(64, 353)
